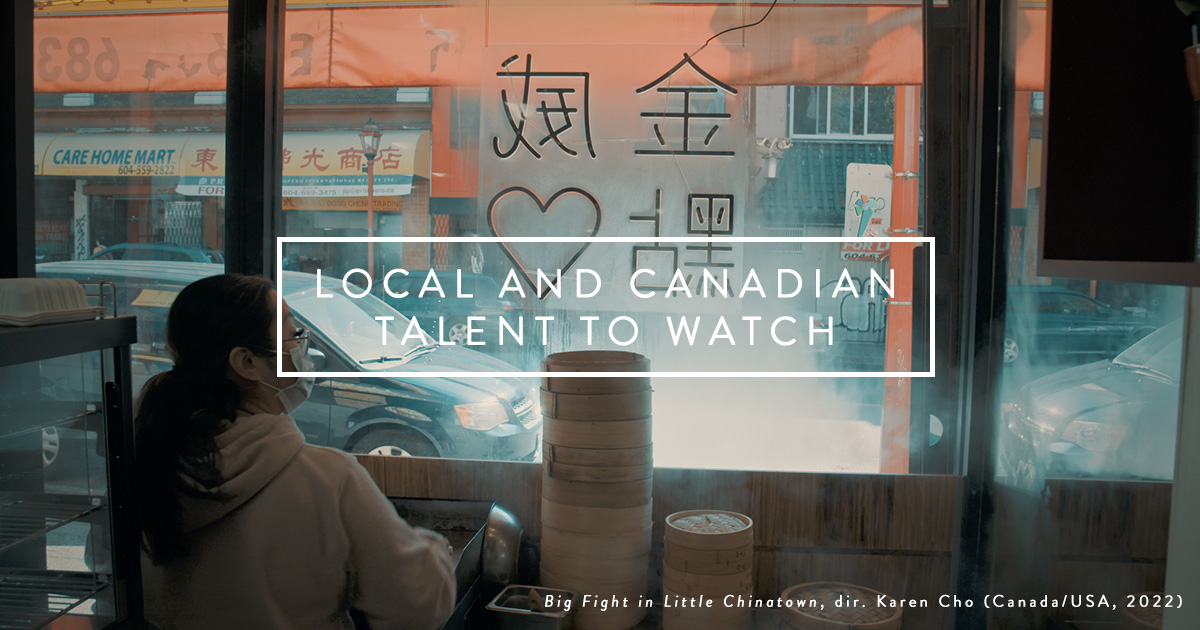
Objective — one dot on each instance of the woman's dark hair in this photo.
(180, 412)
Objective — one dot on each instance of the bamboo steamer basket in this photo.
(586, 546)
(708, 541)
(597, 569)
(722, 562)
(591, 617)
(716, 586)
(866, 616)
(636, 456)
(598, 474)
(596, 407)
(580, 519)
(623, 494)
(611, 434)
(596, 361)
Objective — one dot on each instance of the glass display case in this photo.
(68, 541)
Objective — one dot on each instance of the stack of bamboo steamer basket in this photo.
(597, 474)
(709, 554)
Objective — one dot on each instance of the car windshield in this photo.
(350, 324)
(1161, 351)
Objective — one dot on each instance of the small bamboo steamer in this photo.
(621, 494)
(708, 541)
(591, 617)
(832, 617)
(691, 584)
(597, 474)
(616, 434)
(600, 568)
(701, 562)
(578, 545)
(580, 519)
(596, 361)
(631, 587)
(596, 407)
(636, 456)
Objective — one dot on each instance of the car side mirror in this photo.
(318, 359)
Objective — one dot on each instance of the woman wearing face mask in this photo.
(245, 526)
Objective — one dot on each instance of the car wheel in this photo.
(50, 446)
(1012, 349)
(457, 333)
(394, 442)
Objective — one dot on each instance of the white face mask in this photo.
(293, 395)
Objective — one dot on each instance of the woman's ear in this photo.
(241, 362)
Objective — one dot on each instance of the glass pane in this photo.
(881, 108)
(1087, 410)
(553, 123)
(129, 154)
(53, 492)
(841, 109)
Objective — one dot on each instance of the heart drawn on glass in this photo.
(518, 211)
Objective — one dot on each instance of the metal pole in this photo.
(371, 217)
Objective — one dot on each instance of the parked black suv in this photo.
(473, 417)
(1052, 324)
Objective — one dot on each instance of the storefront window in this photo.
(129, 117)
(517, 123)
(1087, 410)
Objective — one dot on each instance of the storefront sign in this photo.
(315, 164)
(868, 210)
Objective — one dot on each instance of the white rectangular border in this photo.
(280, 241)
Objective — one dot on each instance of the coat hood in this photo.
(251, 452)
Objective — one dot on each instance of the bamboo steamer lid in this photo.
(632, 587)
(691, 584)
(706, 562)
(599, 568)
(614, 434)
(596, 361)
(636, 456)
(709, 530)
(595, 520)
(621, 494)
(578, 545)
(596, 407)
(597, 474)
(827, 615)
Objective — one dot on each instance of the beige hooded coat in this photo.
(305, 536)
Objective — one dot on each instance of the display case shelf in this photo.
(25, 517)
(32, 599)
(69, 554)
(36, 415)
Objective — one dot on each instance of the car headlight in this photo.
(1094, 436)
(481, 416)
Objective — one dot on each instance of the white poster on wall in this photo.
(868, 210)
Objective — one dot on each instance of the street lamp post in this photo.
(370, 135)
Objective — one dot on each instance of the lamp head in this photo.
(370, 136)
